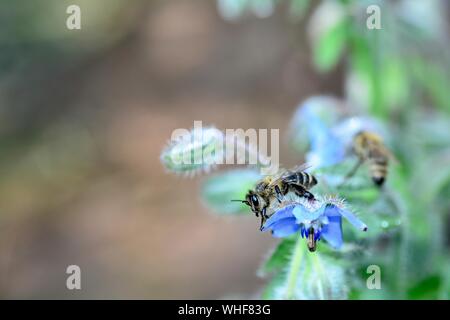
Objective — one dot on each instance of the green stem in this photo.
(443, 293)
(405, 237)
(319, 269)
(294, 269)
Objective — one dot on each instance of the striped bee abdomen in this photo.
(378, 169)
(308, 180)
(301, 178)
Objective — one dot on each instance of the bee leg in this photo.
(279, 194)
(308, 195)
(298, 190)
(263, 218)
(301, 192)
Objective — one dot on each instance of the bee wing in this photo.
(383, 150)
(274, 179)
(390, 155)
(283, 173)
(301, 167)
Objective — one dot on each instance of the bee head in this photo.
(254, 201)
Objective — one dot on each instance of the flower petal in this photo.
(317, 235)
(285, 228)
(304, 215)
(283, 213)
(353, 219)
(302, 231)
(332, 232)
(332, 210)
(326, 150)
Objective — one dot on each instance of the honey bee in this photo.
(369, 147)
(275, 187)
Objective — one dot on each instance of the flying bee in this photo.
(369, 148)
(275, 187)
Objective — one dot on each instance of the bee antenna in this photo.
(243, 201)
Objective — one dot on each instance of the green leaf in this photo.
(279, 257)
(435, 81)
(427, 288)
(432, 184)
(394, 83)
(438, 85)
(328, 49)
(365, 195)
(444, 293)
(220, 189)
(365, 65)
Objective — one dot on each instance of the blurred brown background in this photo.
(84, 116)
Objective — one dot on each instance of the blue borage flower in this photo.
(329, 133)
(323, 217)
(314, 118)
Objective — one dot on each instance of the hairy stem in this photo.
(319, 270)
(294, 268)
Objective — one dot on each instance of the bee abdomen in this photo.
(302, 179)
(378, 169)
(308, 180)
